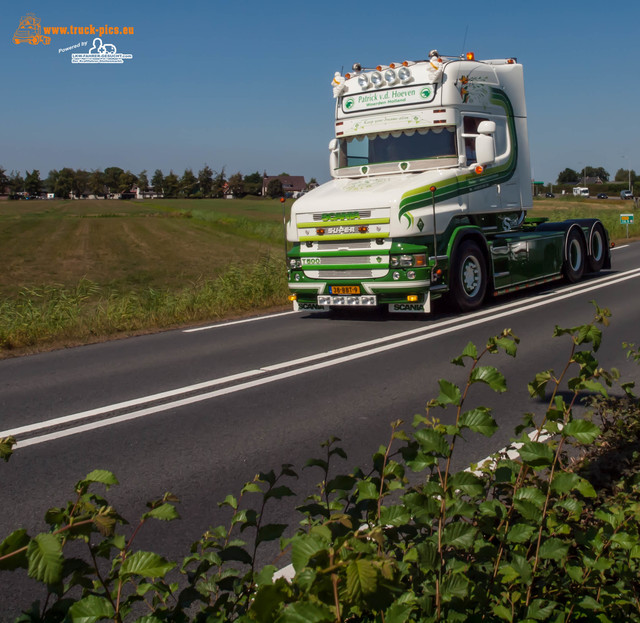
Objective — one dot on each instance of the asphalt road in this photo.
(199, 412)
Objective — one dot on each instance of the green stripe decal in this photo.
(368, 221)
(344, 236)
(455, 186)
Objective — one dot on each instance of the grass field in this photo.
(82, 271)
(77, 271)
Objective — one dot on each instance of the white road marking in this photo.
(229, 324)
(411, 337)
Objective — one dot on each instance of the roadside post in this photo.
(626, 219)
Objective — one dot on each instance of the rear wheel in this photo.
(575, 256)
(468, 277)
(597, 248)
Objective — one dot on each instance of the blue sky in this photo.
(245, 84)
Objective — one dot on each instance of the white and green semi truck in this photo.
(429, 193)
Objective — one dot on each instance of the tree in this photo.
(33, 183)
(157, 181)
(96, 183)
(568, 176)
(188, 183)
(236, 184)
(143, 181)
(4, 180)
(274, 188)
(127, 181)
(622, 175)
(253, 183)
(171, 185)
(597, 172)
(313, 182)
(205, 180)
(16, 183)
(63, 182)
(112, 178)
(219, 182)
(80, 182)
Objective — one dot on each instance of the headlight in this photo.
(390, 76)
(363, 81)
(393, 261)
(294, 263)
(404, 74)
(406, 260)
(376, 78)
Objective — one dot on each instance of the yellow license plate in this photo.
(345, 289)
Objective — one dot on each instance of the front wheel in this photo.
(468, 277)
(574, 263)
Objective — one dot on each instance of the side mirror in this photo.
(485, 145)
(334, 152)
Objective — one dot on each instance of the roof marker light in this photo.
(471, 56)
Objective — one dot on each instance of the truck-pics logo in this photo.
(30, 31)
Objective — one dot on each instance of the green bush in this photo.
(523, 537)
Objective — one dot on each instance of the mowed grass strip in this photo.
(79, 271)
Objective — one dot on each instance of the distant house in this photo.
(592, 180)
(290, 183)
(150, 193)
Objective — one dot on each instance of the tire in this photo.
(468, 277)
(575, 259)
(597, 248)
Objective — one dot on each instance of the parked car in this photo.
(603, 196)
(549, 195)
(626, 194)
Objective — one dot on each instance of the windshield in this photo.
(420, 144)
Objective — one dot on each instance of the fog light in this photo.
(297, 277)
(396, 276)
(411, 274)
(293, 297)
(412, 298)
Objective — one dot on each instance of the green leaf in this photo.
(541, 609)
(563, 482)
(624, 540)
(470, 351)
(586, 488)
(536, 454)
(270, 532)
(235, 552)
(491, 376)
(306, 612)
(432, 441)
(101, 476)
(164, 512)
(361, 579)
(583, 430)
(454, 586)
(398, 612)
(45, 558)
(553, 549)
(520, 533)
(467, 483)
(15, 541)
(146, 564)
(394, 516)
(531, 494)
(305, 547)
(6, 447)
(538, 386)
(277, 493)
(231, 501)
(449, 393)
(341, 483)
(479, 421)
(367, 490)
(502, 611)
(459, 534)
(91, 609)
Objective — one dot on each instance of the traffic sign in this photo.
(626, 219)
